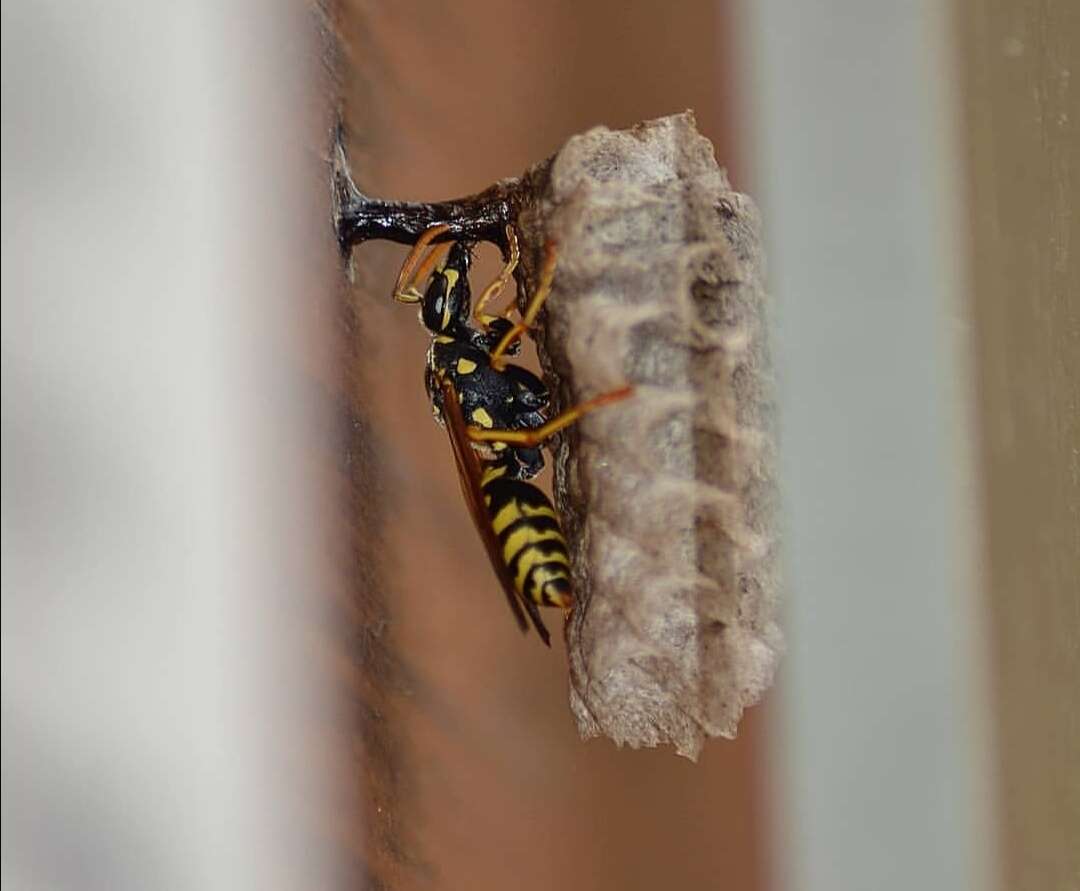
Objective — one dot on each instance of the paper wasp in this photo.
(494, 413)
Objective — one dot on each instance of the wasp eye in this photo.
(435, 316)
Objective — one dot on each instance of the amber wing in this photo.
(468, 465)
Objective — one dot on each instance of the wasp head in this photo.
(447, 300)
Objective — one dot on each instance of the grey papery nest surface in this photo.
(669, 498)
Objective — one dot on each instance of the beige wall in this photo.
(1018, 64)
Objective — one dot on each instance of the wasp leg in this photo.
(537, 435)
(543, 290)
(492, 291)
(414, 271)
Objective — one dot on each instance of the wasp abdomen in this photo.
(533, 547)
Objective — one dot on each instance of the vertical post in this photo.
(168, 294)
(880, 741)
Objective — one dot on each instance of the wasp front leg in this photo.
(493, 290)
(414, 270)
(532, 310)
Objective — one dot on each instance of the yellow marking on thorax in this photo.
(482, 418)
(465, 366)
(492, 473)
(444, 338)
(515, 510)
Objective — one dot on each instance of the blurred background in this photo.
(249, 635)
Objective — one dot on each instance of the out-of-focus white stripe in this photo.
(881, 730)
(160, 243)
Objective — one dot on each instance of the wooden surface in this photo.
(1020, 62)
(492, 786)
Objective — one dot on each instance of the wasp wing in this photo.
(468, 465)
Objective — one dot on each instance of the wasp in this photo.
(496, 416)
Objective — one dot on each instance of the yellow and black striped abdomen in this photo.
(533, 546)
